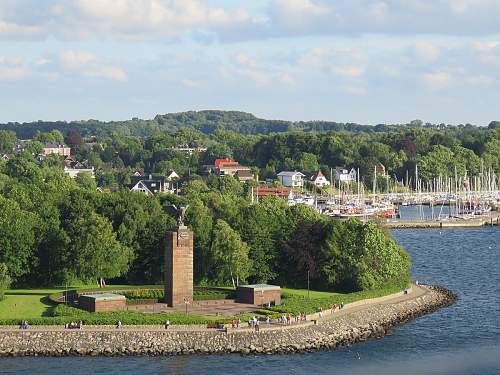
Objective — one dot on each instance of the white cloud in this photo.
(189, 83)
(480, 80)
(427, 52)
(391, 71)
(487, 52)
(76, 59)
(13, 30)
(260, 73)
(304, 8)
(348, 63)
(89, 65)
(485, 46)
(439, 80)
(394, 17)
(119, 19)
(107, 71)
(348, 70)
(379, 9)
(13, 73)
(13, 69)
(140, 20)
(357, 90)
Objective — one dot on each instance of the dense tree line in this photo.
(437, 151)
(55, 230)
(208, 122)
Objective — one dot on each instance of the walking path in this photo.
(414, 292)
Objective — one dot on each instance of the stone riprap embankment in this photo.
(339, 329)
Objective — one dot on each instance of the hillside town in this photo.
(340, 191)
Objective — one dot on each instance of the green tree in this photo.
(263, 226)
(361, 257)
(199, 219)
(94, 252)
(7, 141)
(308, 163)
(86, 181)
(16, 238)
(229, 254)
(4, 280)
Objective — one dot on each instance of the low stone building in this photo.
(102, 302)
(259, 294)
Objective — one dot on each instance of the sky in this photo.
(364, 61)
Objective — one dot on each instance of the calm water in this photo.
(425, 212)
(462, 339)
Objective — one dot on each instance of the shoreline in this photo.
(367, 319)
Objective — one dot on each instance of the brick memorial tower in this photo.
(179, 264)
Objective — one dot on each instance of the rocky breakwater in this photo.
(329, 333)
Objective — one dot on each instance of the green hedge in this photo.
(63, 314)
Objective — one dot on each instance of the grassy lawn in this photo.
(34, 305)
(296, 300)
(26, 303)
(304, 293)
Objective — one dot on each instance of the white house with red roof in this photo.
(319, 179)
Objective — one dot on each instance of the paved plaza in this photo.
(210, 308)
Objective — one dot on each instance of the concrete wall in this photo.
(255, 297)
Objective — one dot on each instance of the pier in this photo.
(492, 219)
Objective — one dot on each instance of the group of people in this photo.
(24, 325)
(255, 322)
(289, 319)
(74, 325)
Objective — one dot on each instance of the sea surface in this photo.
(461, 339)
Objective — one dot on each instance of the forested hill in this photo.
(204, 121)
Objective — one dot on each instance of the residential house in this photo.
(230, 167)
(291, 179)
(4, 157)
(284, 193)
(73, 167)
(57, 149)
(73, 172)
(137, 172)
(319, 179)
(172, 176)
(150, 185)
(343, 174)
(244, 175)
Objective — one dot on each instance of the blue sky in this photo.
(366, 61)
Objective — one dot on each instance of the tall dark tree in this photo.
(73, 139)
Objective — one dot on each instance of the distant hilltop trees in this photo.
(207, 122)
